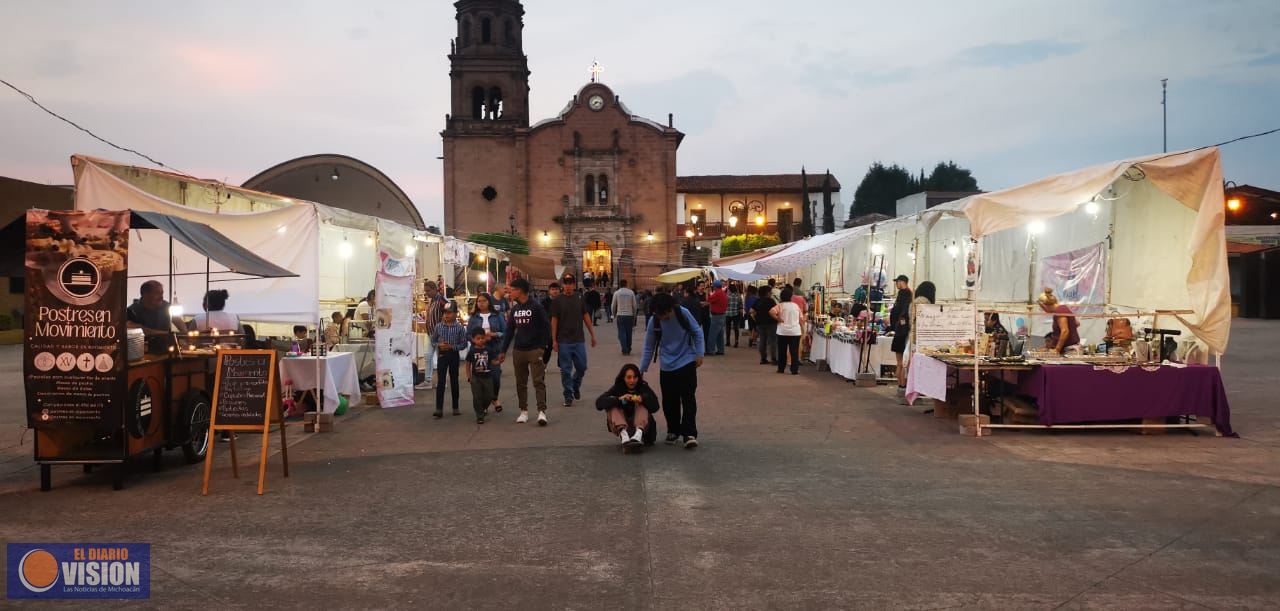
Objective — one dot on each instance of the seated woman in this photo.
(628, 405)
(1065, 326)
(214, 316)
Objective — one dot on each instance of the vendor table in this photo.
(818, 346)
(337, 373)
(843, 356)
(1070, 393)
(366, 364)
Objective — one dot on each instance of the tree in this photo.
(806, 215)
(737, 244)
(505, 241)
(881, 189)
(828, 207)
(949, 177)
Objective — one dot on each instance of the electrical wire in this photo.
(1207, 146)
(32, 99)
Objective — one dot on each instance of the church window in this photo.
(495, 104)
(486, 30)
(466, 33)
(477, 103)
(509, 32)
(589, 191)
(603, 183)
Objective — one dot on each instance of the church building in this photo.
(591, 188)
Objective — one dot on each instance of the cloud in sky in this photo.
(1013, 89)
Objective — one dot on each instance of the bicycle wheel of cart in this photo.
(193, 421)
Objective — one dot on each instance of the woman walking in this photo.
(766, 327)
(494, 325)
(790, 329)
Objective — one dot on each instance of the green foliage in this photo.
(738, 244)
(881, 189)
(950, 177)
(505, 241)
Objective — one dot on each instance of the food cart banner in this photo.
(1078, 276)
(74, 356)
(394, 340)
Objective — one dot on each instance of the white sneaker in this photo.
(626, 439)
(542, 418)
(524, 417)
(639, 436)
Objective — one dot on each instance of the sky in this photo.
(1015, 90)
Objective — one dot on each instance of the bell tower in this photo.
(486, 132)
(489, 71)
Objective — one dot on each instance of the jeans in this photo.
(481, 393)
(529, 363)
(430, 362)
(715, 342)
(734, 329)
(448, 370)
(573, 367)
(768, 343)
(789, 344)
(679, 400)
(626, 327)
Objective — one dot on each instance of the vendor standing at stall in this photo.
(900, 323)
(215, 316)
(150, 312)
(1065, 331)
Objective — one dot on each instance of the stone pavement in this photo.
(806, 493)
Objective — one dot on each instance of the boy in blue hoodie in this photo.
(674, 337)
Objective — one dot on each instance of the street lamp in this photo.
(1234, 204)
(733, 222)
(650, 236)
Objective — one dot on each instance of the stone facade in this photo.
(595, 178)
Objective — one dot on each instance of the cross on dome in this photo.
(596, 69)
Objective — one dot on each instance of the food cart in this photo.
(94, 395)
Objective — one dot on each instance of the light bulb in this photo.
(694, 219)
(1035, 227)
(953, 250)
(484, 276)
(733, 221)
(877, 248)
(410, 250)
(1092, 208)
(282, 230)
(760, 220)
(175, 310)
(344, 250)
(368, 241)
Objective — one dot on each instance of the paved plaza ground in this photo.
(806, 493)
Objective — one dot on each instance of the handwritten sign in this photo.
(243, 391)
(245, 398)
(945, 324)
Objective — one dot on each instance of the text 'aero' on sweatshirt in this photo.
(527, 327)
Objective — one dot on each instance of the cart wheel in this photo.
(46, 478)
(193, 425)
(117, 478)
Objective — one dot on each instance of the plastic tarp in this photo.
(206, 241)
(286, 236)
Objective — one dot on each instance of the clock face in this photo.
(596, 102)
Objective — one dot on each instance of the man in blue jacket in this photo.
(675, 338)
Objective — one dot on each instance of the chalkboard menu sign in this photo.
(244, 388)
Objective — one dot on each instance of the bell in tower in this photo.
(489, 71)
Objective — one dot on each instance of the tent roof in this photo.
(199, 237)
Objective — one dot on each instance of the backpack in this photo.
(680, 311)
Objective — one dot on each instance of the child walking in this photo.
(448, 339)
(480, 363)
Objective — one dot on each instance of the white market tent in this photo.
(333, 251)
(1161, 219)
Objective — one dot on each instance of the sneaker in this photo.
(568, 402)
(523, 418)
(423, 386)
(672, 438)
(437, 415)
(497, 407)
(626, 438)
(480, 419)
(629, 441)
(690, 443)
(577, 395)
(639, 436)
(542, 418)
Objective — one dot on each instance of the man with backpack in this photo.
(674, 338)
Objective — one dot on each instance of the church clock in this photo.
(596, 102)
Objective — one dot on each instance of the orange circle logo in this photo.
(38, 570)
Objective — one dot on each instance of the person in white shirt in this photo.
(214, 316)
(790, 329)
(623, 307)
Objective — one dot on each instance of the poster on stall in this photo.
(1077, 276)
(835, 270)
(973, 265)
(394, 345)
(74, 356)
(945, 324)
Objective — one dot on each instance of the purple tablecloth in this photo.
(1081, 393)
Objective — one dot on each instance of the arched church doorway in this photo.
(597, 258)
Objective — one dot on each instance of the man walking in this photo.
(674, 338)
(766, 327)
(530, 332)
(434, 315)
(718, 305)
(569, 315)
(592, 300)
(624, 312)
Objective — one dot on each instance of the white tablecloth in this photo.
(926, 377)
(366, 363)
(818, 347)
(844, 357)
(337, 373)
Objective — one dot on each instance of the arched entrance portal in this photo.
(597, 258)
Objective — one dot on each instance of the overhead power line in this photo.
(32, 99)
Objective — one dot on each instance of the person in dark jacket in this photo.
(628, 405)
(487, 318)
(529, 330)
(900, 323)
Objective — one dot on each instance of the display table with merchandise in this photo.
(843, 353)
(1069, 393)
(334, 372)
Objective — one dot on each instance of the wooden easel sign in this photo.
(246, 398)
